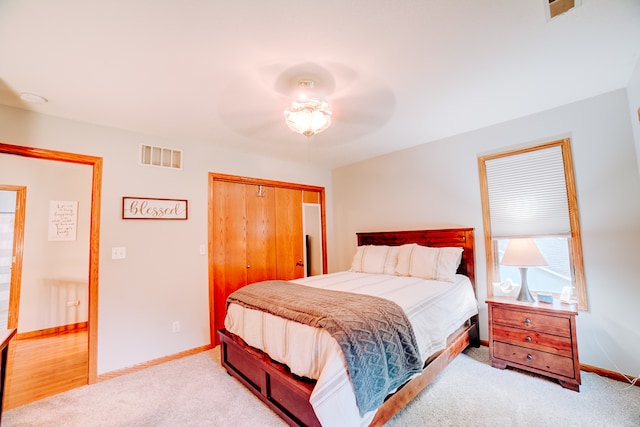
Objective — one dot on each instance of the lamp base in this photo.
(524, 294)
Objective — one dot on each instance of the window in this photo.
(530, 192)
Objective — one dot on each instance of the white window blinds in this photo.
(527, 194)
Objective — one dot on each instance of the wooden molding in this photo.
(608, 374)
(18, 246)
(575, 242)
(73, 327)
(141, 366)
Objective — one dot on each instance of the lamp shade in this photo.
(522, 252)
(308, 117)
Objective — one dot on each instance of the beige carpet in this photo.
(196, 391)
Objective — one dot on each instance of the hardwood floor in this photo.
(43, 366)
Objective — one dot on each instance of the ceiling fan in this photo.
(256, 106)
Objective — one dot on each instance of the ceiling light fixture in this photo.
(308, 116)
(32, 98)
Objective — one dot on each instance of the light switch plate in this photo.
(118, 253)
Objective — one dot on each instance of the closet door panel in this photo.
(289, 241)
(229, 244)
(261, 234)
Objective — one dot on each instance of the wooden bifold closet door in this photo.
(256, 234)
(289, 234)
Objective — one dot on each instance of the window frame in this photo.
(575, 241)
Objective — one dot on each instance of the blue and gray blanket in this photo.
(375, 335)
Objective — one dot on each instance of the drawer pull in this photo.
(529, 357)
(528, 339)
(527, 322)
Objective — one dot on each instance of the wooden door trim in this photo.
(16, 251)
(265, 182)
(94, 236)
(254, 181)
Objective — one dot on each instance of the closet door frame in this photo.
(253, 181)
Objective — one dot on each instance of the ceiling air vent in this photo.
(556, 7)
(161, 157)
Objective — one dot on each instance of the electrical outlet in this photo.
(176, 326)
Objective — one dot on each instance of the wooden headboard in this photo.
(462, 237)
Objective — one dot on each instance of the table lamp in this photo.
(523, 253)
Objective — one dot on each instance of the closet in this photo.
(256, 232)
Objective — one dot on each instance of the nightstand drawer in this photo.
(532, 321)
(528, 357)
(534, 340)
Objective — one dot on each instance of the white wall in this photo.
(437, 184)
(633, 91)
(163, 278)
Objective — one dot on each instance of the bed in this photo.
(300, 400)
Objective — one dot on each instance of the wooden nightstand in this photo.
(536, 337)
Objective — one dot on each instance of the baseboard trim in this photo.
(141, 366)
(113, 374)
(594, 369)
(608, 374)
(73, 327)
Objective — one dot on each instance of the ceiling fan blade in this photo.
(250, 110)
(253, 124)
(373, 107)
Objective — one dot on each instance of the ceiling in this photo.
(397, 73)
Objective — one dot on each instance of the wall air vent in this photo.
(160, 156)
(557, 7)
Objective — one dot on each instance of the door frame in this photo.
(267, 183)
(94, 235)
(16, 252)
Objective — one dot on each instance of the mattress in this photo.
(434, 308)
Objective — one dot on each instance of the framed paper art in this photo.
(149, 208)
(63, 220)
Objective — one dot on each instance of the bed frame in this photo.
(288, 395)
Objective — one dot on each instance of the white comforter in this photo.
(435, 310)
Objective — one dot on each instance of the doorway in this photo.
(313, 248)
(12, 213)
(7, 225)
(89, 348)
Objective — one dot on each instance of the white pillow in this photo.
(428, 263)
(375, 259)
(404, 259)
